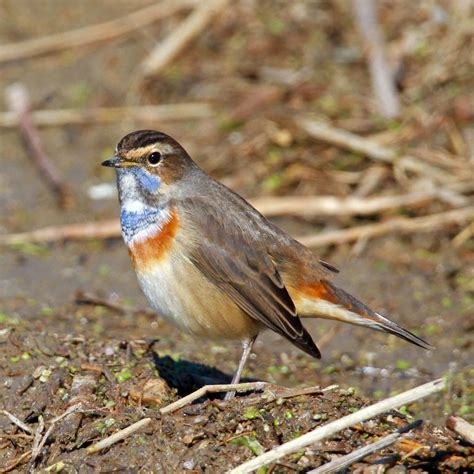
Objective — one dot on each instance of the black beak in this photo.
(112, 163)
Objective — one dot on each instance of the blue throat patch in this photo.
(134, 222)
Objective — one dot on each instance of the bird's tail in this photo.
(325, 300)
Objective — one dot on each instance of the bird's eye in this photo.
(154, 158)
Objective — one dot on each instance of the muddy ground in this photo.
(258, 64)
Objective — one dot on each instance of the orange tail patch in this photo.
(324, 290)
(148, 251)
(320, 291)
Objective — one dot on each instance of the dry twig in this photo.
(380, 73)
(118, 436)
(84, 231)
(17, 422)
(345, 461)
(16, 462)
(145, 113)
(351, 141)
(91, 34)
(325, 431)
(313, 206)
(165, 52)
(38, 446)
(398, 224)
(18, 101)
(236, 387)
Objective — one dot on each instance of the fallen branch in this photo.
(351, 141)
(18, 101)
(201, 392)
(351, 458)
(118, 436)
(383, 84)
(400, 225)
(461, 427)
(145, 113)
(165, 52)
(91, 34)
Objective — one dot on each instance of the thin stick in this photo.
(351, 141)
(358, 454)
(166, 51)
(18, 460)
(313, 206)
(37, 440)
(145, 113)
(39, 446)
(461, 427)
(236, 387)
(17, 422)
(122, 434)
(464, 235)
(18, 101)
(396, 225)
(105, 229)
(91, 34)
(382, 78)
(325, 431)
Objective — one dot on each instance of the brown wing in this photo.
(231, 256)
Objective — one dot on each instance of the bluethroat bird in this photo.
(212, 265)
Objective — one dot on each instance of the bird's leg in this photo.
(247, 347)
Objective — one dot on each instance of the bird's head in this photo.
(147, 164)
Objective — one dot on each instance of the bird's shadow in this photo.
(186, 376)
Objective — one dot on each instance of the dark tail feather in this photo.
(326, 300)
(386, 325)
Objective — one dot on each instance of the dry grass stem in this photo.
(18, 101)
(330, 429)
(236, 387)
(464, 235)
(17, 422)
(106, 31)
(167, 50)
(316, 206)
(381, 75)
(400, 225)
(351, 141)
(351, 458)
(145, 113)
(84, 231)
(20, 459)
(119, 436)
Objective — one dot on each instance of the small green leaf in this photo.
(250, 443)
(402, 364)
(251, 413)
(123, 375)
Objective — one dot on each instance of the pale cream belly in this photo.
(183, 296)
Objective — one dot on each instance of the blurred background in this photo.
(351, 127)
